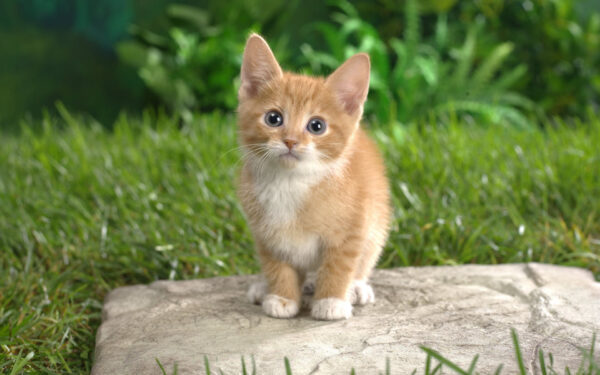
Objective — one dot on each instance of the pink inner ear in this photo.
(352, 98)
(258, 67)
(256, 77)
(350, 82)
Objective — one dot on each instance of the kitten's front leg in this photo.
(283, 283)
(333, 280)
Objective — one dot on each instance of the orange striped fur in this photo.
(321, 205)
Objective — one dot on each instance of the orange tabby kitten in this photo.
(313, 185)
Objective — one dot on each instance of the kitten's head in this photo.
(296, 121)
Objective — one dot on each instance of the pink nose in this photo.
(290, 143)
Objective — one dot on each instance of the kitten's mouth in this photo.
(289, 159)
(289, 156)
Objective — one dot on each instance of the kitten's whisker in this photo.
(261, 161)
(241, 147)
(247, 147)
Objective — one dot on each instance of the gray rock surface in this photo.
(459, 311)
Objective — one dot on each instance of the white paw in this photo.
(360, 293)
(279, 307)
(257, 292)
(331, 309)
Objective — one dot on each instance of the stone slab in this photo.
(459, 311)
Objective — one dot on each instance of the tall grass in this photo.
(84, 210)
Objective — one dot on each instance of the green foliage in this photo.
(194, 67)
(558, 41)
(546, 51)
(413, 80)
(85, 210)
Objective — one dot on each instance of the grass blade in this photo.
(288, 368)
(206, 365)
(20, 363)
(443, 360)
(162, 369)
(542, 362)
(592, 349)
(473, 363)
(518, 354)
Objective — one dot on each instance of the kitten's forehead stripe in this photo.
(301, 91)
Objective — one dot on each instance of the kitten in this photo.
(312, 185)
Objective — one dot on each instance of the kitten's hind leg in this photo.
(360, 293)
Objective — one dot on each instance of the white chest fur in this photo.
(281, 194)
(301, 250)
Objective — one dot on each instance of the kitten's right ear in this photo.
(259, 66)
(350, 82)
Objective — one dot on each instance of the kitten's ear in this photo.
(350, 82)
(258, 67)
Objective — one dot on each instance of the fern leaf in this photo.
(441, 31)
(492, 63)
(412, 32)
(509, 78)
(464, 59)
(490, 112)
(333, 39)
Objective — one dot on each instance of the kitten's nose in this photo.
(290, 143)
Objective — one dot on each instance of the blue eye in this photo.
(316, 126)
(274, 119)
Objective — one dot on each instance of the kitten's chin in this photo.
(289, 160)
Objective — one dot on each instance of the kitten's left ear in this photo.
(259, 66)
(350, 82)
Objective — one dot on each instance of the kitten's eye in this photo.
(316, 126)
(274, 119)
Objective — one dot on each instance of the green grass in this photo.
(84, 210)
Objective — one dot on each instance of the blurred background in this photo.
(494, 61)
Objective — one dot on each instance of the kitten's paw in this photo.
(331, 309)
(360, 293)
(279, 307)
(257, 292)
